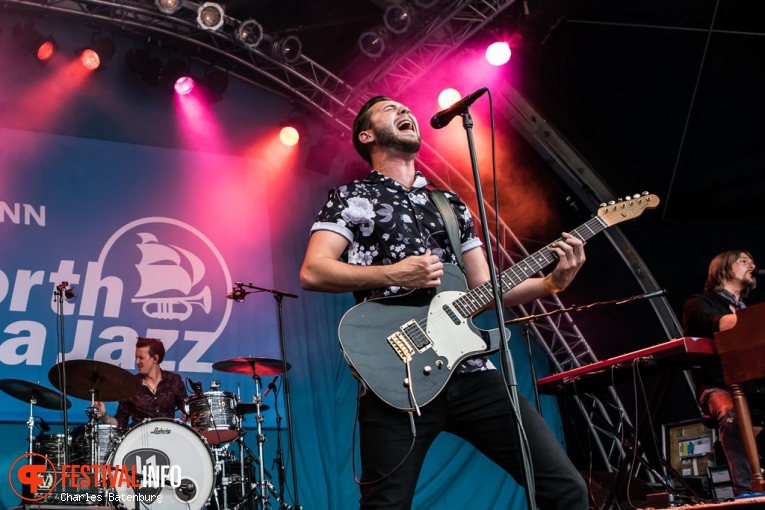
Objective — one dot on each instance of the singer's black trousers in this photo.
(475, 407)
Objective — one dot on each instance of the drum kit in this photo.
(212, 474)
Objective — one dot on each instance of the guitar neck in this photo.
(480, 297)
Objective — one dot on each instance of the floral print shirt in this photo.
(385, 222)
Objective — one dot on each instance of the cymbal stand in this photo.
(279, 296)
(59, 294)
(266, 483)
(91, 434)
(31, 425)
(261, 438)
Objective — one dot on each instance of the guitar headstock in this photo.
(627, 208)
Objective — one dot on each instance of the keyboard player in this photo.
(729, 280)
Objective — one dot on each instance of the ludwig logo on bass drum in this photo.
(158, 430)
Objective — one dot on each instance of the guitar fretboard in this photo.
(478, 298)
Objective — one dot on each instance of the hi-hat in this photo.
(248, 408)
(251, 366)
(86, 378)
(27, 391)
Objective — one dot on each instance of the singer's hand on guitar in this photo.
(417, 271)
(570, 252)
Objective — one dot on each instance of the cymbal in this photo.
(251, 366)
(105, 381)
(26, 391)
(248, 408)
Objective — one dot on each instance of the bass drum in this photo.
(152, 444)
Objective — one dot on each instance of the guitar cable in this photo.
(412, 426)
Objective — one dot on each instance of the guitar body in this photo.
(405, 348)
(365, 329)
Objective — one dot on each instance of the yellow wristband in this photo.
(550, 285)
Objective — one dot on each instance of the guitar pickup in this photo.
(417, 336)
(401, 345)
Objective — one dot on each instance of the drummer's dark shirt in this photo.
(170, 395)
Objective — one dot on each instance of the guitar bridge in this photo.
(401, 345)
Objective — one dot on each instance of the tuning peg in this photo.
(602, 204)
(611, 202)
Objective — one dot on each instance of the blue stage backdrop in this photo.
(150, 255)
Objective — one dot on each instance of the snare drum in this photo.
(94, 448)
(213, 414)
(52, 446)
(162, 442)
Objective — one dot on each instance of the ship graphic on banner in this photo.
(166, 281)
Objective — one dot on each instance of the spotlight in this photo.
(30, 40)
(210, 16)
(173, 72)
(292, 130)
(372, 42)
(168, 6)
(448, 97)
(398, 18)
(249, 33)
(98, 54)
(289, 136)
(184, 85)
(498, 53)
(287, 49)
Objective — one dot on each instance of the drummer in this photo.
(161, 392)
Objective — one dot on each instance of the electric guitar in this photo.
(404, 348)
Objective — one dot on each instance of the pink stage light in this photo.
(498, 53)
(184, 85)
(47, 50)
(289, 136)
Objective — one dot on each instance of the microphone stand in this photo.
(279, 297)
(58, 297)
(508, 371)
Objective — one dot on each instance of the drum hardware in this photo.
(34, 394)
(255, 367)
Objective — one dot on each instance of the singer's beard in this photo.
(385, 137)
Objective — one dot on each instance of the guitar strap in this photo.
(450, 222)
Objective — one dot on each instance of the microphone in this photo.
(758, 272)
(44, 427)
(271, 386)
(656, 293)
(187, 487)
(64, 289)
(237, 293)
(444, 117)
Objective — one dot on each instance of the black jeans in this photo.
(476, 408)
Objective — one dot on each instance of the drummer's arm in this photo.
(101, 414)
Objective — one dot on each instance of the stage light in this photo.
(168, 6)
(372, 42)
(184, 85)
(292, 130)
(26, 36)
(289, 136)
(498, 53)
(448, 97)
(98, 54)
(249, 33)
(210, 16)
(398, 18)
(287, 49)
